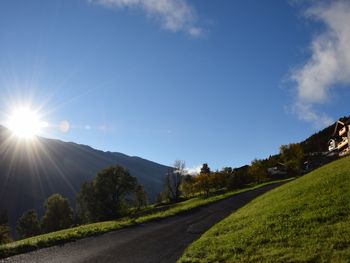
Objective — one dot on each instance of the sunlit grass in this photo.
(307, 220)
(79, 232)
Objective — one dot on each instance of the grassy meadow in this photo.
(306, 220)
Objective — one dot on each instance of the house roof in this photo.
(339, 125)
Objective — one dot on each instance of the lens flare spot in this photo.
(64, 126)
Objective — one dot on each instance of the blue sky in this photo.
(221, 82)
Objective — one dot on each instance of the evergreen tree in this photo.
(28, 225)
(205, 169)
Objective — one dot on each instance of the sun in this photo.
(25, 123)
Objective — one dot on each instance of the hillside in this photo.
(306, 220)
(318, 142)
(29, 173)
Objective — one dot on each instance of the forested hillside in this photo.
(318, 142)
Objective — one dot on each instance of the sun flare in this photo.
(25, 123)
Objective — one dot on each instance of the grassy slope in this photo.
(306, 220)
(75, 233)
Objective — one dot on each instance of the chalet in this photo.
(341, 137)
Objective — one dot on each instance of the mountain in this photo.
(30, 171)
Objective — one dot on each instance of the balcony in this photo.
(343, 143)
(344, 152)
(342, 131)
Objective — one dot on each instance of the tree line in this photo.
(179, 184)
(114, 191)
(108, 196)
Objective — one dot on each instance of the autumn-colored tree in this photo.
(218, 180)
(258, 170)
(203, 182)
(187, 186)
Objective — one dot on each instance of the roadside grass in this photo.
(75, 233)
(307, 220)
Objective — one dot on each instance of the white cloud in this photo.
(194, 170)
(305, 112)
(174, 15)
(329, 63)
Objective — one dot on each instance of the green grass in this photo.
(306, 220)
(79, 232)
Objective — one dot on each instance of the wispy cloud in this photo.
(174, 15)
(329, 63)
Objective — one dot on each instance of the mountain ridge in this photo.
(30, 171)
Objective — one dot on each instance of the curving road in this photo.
(159, 241)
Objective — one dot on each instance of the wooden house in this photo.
(341, 138)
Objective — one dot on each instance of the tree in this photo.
(203, 183)
(187, 185)
(105, 197)
(28, 225)
(292, 156)
(161, 197)
(111, 187)
(173, 180)
(5, 234)
(258, 170)
(205, 169)
(231, 177)
(5, 230)
(86, 207)
(58, 214)
(218, 180)
(4, 217)
(141, 198)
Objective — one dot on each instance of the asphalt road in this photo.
(159, 241)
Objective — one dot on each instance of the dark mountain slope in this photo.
(318, 142)
(31, 171)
